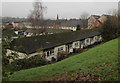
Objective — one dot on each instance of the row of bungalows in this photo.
(42, 31)
(65, 24)
(49, 46)
(72, 28)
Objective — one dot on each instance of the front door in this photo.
(67, 48)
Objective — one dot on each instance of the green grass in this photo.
(98, 63)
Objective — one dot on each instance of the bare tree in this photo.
(36, 16)
(119, 10)
(113, 12)
(119, 18)
(84, 17)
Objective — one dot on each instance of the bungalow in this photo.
(34, 32)
(42, 31)
(49, 46)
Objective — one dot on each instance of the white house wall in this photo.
(100, 38)
(82, 44)
(87, 41)
(92, 40)
(71, 50)
(95, 38)
(74, 46)
(56, 49)
(33, 54)
(19, 54)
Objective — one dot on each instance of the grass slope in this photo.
(98, 63)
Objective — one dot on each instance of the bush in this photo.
(109, 29)
(79, 50)
(27, 63)
(36, 61)
(62, 55)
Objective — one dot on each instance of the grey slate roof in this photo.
(34, 30)
(56, 30)
(31, 44)
(50, 22)
(71, 23)
(47, 30)
(66, 23)
(96, 16)
(106, 15)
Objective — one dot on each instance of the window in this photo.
(70, 45)
(48, 53)
(76, 44)
(60, 49)
(51, 52)
(81, 42)
(87, 40)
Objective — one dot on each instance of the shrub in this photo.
(36, 61)
(27, 63)
(62, 55)
(79, 50)
(109, 29)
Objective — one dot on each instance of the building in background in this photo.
(95, 21)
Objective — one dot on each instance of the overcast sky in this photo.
(63, 9)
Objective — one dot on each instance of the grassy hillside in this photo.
(98, 63)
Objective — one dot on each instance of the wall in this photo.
(91, 22)
(102, 19)
(87, 41)
(19, 55)
(74, 46)
(56, 49)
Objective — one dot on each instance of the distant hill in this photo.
(98, 63)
